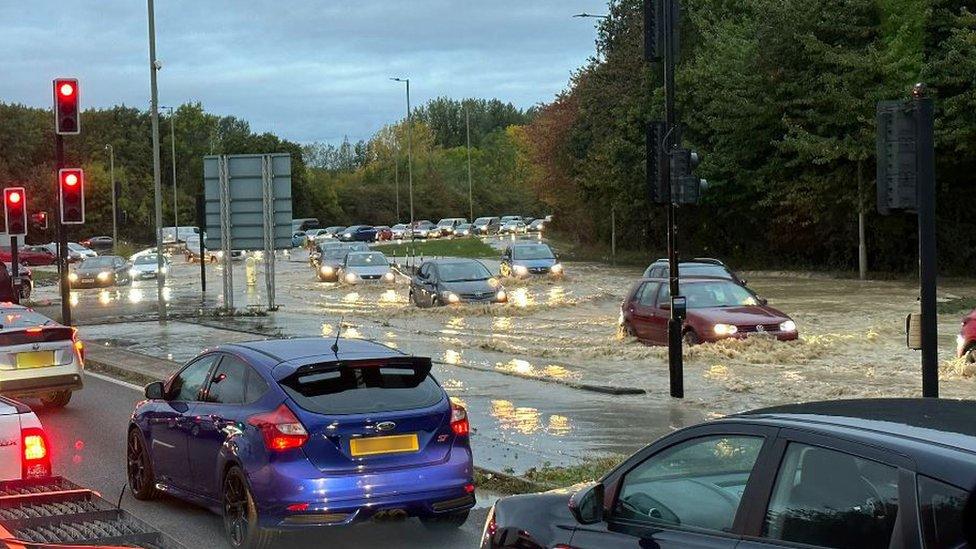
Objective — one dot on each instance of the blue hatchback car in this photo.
(301, 433)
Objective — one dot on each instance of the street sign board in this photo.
(245, 177)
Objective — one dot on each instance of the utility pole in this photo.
(115, 218)
(467, 123)
(157, 184)
(396, 173)
(172, 140)
(927, 258)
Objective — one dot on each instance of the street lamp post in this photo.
(467, 125)
(154, 66)
(585, 15)
(172, 140)
(409, 148)
(115, 217)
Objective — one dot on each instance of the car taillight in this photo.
(281, 429)
(78, 346)
(35, 460)
(459, 420)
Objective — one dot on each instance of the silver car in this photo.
(147, 266)
(366, 266)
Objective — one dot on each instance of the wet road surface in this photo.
(88, 440)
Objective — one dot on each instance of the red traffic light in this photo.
(67, 108)
(15, 211)
(71, 186)
(39, 219)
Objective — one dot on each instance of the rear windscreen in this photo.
(362, 390)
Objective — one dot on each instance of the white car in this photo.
(365, 266)
(24, 450)
(146, 267)
(39, 357)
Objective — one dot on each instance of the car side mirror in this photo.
(155, 390)
(586, 505)
(743, 281)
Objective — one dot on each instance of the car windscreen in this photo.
(147, 260)
(702, 295)
(366, 260)
(538, 251)
(482, 221)
(76, 247)
(445, 222)
(335, 251)
(463, 272)
(346, 390)
(97, 263)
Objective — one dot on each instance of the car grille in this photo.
(538, 270)
(759, 328)
(370, 277)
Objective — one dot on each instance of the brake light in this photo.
(281, 429)
(35, 330)
(35, 460)
(459, 420)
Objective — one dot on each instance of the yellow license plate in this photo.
(383, 445)
(35, 359)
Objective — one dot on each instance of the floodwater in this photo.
(503, 360)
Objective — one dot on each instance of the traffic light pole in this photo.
(927, 258)
(14, 270)
(62, 237)
(675, 360)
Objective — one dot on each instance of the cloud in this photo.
(307, 70)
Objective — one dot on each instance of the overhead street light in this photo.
(592, 16)
(409, 147)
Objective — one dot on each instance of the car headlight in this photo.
(104, 275)
(788, 326)
(164, 270)
(350, 278)
(388, 277)
(557, 268)
(493, 282)
(450, 297)
(520, 270)
(73, 277)
(133, 272)
(326, 270)
(347, 235)
(725, 329)
(501, 295)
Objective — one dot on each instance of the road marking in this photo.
(109, 379)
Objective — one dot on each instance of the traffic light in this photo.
(71, 183)
(686, 187)
(656, 191)
(39, 219)
(655, 39)
(67, 106)
(15, 210)
(897, 145)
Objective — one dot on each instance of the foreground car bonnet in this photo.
(757, 314)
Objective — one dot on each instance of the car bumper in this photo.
(81, 285)
(39, 381)
(781, 336)
(144, 276)
(344, 499)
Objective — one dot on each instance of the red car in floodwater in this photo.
(717, 309)
(383, 233)
(966, 340)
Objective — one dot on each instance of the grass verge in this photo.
(44, 277)
(547, 477)
(961, 305)
(455, 247)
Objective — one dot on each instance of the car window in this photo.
(228, 382)
(832, 499)
(698, 483)
(941, 511)
(362, 390)
(664, 296)
(256, 386)
(647, 293)
(187, 384)
(424, 271)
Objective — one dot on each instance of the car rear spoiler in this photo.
(420, 365)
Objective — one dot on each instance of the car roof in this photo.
(694, 261)
(689, 279)
(453, 261)
(287, 350)
(938, 435)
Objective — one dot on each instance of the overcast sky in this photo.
(307, 70)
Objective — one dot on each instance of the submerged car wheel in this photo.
(450, 520)
(691, 338)
(142, 480)
(241, 515)
(57, 399)
(971, 355)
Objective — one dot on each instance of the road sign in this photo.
(245, 211)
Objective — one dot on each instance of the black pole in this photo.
(202, 226)
(14, 271)
(62, 236)
(927, 258)
(675, 361)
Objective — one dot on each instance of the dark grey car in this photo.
(330, 256)
(101, 271)
(451, 281)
